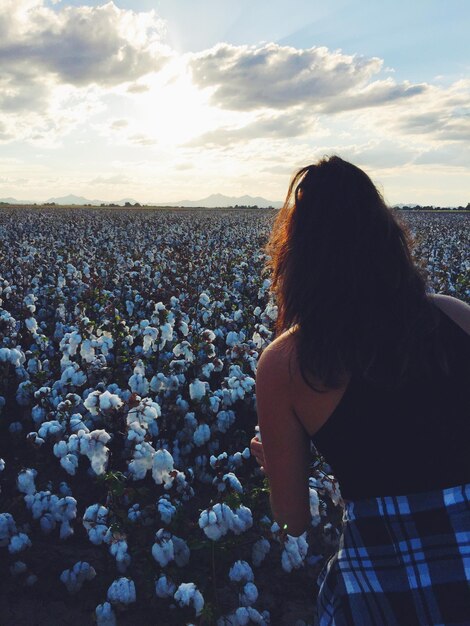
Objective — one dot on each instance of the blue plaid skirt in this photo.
(402, 561)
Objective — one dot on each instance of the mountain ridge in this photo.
(216, 200)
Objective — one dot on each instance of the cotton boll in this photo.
(294, 552)
(164, 587)
(314, 501)
(249, 594)
(241, 572)
(70, 463)
(162, 466)
(74, 578)
(163, 548)
(122, 591)
(105, 615)
(18, 543)
(165, 509)
(198, 389)
(187, 594)
(25, 481)
(202, 434)
(259, 551)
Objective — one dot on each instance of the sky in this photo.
(168, 100)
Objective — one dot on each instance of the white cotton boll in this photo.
(259, 551)
(242, 520)
(232, 338)
(134, 513)
(91, 402)
(18, 543)
(225, 419)
(166, 332)
(142, 461)
(207, 369)
(257, 311)
(60, 449)
(184, 329)
(247, 615)
(187, 594)
(38, 414)
(7, 528)
(233, 482)
(241, 572)
(51, 429)
(198, 389)
(216, 521)
(2, 465)
(31, 325)
(294, 552)
(105, 615)
(165, 509)
(122, 591)
(118, 549)
(77, 424)
(314, 501)
(74, 578)
(202, 434)
(109, 401)
(164, 587)
(15, 428)
(162, 466)
(25, 481)
(159, 382)
(70, 463)
(35, 440)
(248, 595)
(163, 548)
(204, 299)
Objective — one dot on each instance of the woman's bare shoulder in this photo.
(457, 310)
(279, 359)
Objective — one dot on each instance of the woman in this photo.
(376, 373)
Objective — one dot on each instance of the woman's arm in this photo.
(286, 445)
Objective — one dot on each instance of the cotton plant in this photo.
(75, 577)
(244, 616)
(164, 587)
(52, 510)
(122, 592)
(95, 523)
(10, 536)
(217, 520)
(188, 594)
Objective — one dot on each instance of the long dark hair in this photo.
(343, 276)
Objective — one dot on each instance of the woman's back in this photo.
(383, 441)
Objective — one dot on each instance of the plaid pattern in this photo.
(402, 561)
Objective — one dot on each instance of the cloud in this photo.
(246, 78)
(79, 45)
(56, 63)
(284, 126)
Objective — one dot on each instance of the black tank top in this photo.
(382, 442)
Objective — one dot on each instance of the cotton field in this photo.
(129, 341)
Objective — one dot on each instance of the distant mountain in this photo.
(218, 200)
(15, 201)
